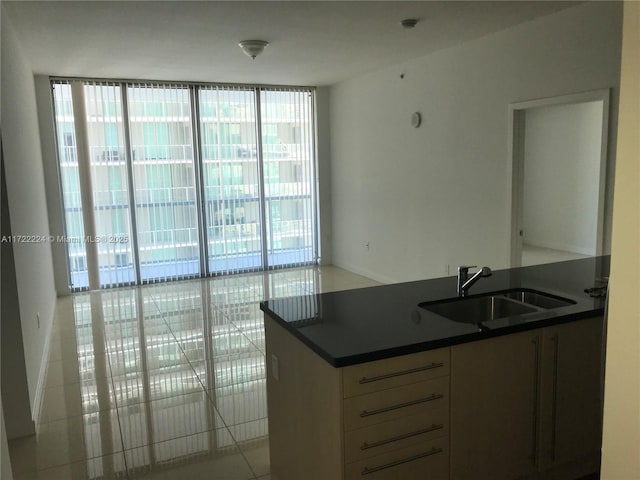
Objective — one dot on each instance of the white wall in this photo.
(323, 151)
(27, 205)
(6, 472)
(562, 176)
(424, 198)
(5, 462)
(15, 388)
(621, 442)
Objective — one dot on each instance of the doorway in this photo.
(559, 155)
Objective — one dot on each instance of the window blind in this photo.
(164, 181)
(288, 152)
(111, 200)
(230, 175)
(185, 180)
(70, 185)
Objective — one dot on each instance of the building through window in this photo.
(165, 181)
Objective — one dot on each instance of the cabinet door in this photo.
(571, 401)
(494, 405)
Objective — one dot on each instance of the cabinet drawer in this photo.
(392, 372)
(402, 432)
(378, 407)
(424, 460)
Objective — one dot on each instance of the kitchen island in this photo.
(368, 384)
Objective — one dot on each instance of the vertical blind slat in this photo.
(163, 173)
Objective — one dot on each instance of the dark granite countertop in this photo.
(355, 326)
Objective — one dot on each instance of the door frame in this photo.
(516, 130)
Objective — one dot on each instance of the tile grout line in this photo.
(245, 335)
(82, 413)
(263, 352)
(115, 399)
(203, 386)
(211, 398)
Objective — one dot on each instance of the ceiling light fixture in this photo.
(409, 23)
(253, 48)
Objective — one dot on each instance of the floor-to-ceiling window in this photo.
(288, 152)
(162, 181)
(108, 170)
(70, 186)
(232, 193)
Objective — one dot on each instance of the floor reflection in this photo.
(162, 381)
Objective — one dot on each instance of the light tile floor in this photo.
(532, 255)
(161, 382)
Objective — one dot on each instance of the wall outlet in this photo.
(38, 318)
(275, 367)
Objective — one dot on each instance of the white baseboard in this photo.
(365, 273)
(36, 408)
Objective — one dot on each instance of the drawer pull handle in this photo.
(430, 398)
(433, 451)
(432, 428)
(433, 365)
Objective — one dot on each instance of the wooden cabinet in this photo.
(304, 401)
(420, 461)
(379, 420)
(396, 417)
(571, 397)
(528, 405)
(494, 405)
(520, 406)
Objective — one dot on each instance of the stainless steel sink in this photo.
(491, 306)
(477, 309)
(539, 299)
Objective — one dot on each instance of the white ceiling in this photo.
(312, 42)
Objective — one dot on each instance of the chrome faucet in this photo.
(465, 282)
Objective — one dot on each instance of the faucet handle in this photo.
(465, 268)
